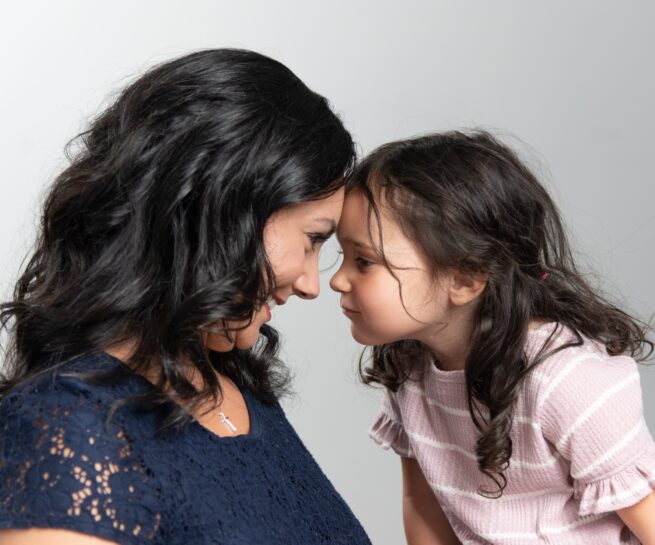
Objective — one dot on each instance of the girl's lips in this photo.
(347, 310)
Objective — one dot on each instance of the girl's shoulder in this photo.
(574, 370)
(563, 350)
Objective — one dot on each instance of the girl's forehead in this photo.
(359, 219)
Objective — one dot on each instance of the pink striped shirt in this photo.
(581, 448)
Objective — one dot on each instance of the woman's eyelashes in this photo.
(317, 239)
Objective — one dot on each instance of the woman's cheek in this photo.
(248, 336)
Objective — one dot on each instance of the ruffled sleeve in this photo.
(387, 429)
(61, 467)
(623, 489)
(592, 414)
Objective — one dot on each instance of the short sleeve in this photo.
(592, 413)
(61, 467)
(388, 430)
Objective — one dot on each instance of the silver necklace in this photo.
(226, 420)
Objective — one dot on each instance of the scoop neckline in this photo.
(251, 406)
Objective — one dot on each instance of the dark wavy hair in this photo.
(155, 229)
(468, 202)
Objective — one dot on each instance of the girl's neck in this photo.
(450, 343)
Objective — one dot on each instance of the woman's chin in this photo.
(246, 339)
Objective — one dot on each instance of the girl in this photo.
(512, 394)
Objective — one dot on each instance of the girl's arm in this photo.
(424, 520)
(640, 518)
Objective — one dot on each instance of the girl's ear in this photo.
(466, 286)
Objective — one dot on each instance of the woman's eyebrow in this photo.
(329, 223)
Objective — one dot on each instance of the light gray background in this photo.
(573, 80)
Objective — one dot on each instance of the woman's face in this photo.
(293, 238)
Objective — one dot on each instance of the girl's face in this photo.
(370, 295)
(293, 238)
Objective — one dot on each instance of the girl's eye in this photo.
(363, 263)
(360, 261)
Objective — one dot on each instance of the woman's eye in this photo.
(317, 239)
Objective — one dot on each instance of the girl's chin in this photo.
(371, 338)
(363, 338)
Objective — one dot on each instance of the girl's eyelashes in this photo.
(363, 263)
(360, 261)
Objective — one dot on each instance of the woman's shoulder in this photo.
(63, 465)
(62, 390)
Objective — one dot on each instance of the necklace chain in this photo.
(225, 419)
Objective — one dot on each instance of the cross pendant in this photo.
(226, 420)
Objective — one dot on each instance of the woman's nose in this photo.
(307, 285)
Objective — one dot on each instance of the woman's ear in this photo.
(465, 287)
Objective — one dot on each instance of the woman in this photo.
(140, 401)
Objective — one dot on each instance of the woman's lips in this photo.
(348, 311)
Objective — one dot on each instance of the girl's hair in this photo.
(155, 230)
(469, 203)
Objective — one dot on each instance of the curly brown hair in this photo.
(469, 202)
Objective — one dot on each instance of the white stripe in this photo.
(514, 463)
(545, 531)
(446, 408)
(444, 446)
(539, 376)
(594, 407)
(627, 438)
(532, 465)
(454, 491)
(462, 412)
(570, 366)
(528, 421)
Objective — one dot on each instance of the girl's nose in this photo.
(339, 282)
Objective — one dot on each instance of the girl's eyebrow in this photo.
(348, 240)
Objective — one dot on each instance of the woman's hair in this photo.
(155, 230)
(469, 203)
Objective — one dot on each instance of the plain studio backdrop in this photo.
(569, 83)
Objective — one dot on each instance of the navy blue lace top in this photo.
(61, 467)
